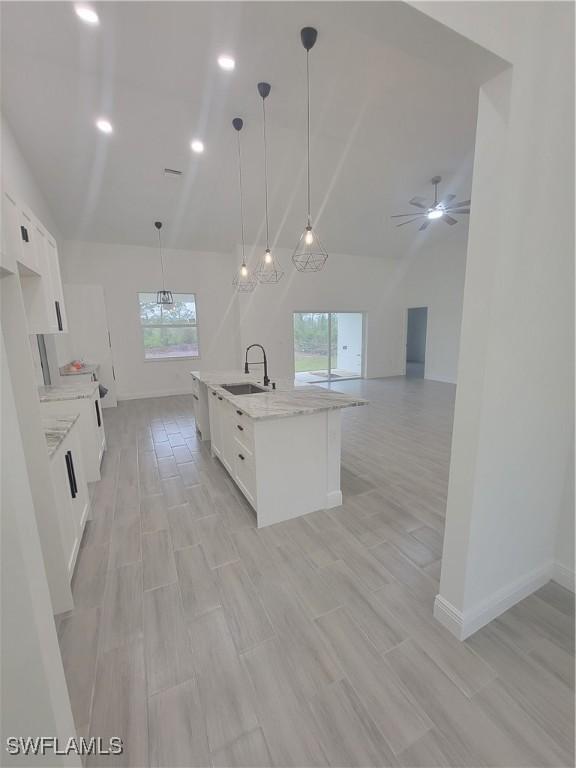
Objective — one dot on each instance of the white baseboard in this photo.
(462, 625)
(147, 395)
(440, 379)
(563, 576)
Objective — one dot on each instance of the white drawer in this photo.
(243, 428)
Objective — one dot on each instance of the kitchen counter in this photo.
(55, 430)
(284, 401)
(281, 447)
(88, 368)
(67, 392)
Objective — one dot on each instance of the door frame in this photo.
(331, 312)
(405, 333)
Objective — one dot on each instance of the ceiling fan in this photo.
(439, 209)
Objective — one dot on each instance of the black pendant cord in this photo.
(241, 198)
(308, 127)
(161, 260)
(265, 174)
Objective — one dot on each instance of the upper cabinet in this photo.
(29, 249)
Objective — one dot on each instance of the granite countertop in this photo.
(55, 430)
(88, 368)
(286, 400)
(67, 392)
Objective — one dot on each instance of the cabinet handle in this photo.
(98, 419)
(69, 470)
(73, 473)
(240, 456)
(58, 315)
(219, 398)
(239, 413)
(196, 397)
(214, 393)
(24, 234)
(240, 428)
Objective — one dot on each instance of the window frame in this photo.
(179, 358)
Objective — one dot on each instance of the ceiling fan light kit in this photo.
(438, 209)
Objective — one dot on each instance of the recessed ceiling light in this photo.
(197, 146)
(226, 62)
(104, 125)
(87, 14)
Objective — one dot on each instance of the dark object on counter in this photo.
(102, 390)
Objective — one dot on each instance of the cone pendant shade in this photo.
(244, 280)
(309, 255)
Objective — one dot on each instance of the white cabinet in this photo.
(71, 491)
(200, 395)
(215, 409)
(28, 248)
(90, 429)
(10, 234)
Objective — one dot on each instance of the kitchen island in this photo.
(280, 446)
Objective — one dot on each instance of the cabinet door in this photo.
(63, 490)
(215, 427)
(227, 426)
(57, 309)
(10, 233)
(28, 252)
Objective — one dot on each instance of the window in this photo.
(169, 331)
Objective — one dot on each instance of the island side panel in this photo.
(333, 457)
(292, 456)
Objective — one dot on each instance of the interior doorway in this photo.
(416, 327)
(328, 346)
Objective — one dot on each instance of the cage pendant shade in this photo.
(244, 280)
(309, 254)
(162, 297)
(268, 270)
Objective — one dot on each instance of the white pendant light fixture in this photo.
(309, 255)
(162, 297)
(268, 270)
(244, 281)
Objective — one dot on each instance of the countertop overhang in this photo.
(55, 430)
(284, 401)
(67, 392)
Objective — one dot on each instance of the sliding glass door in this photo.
(328, 345)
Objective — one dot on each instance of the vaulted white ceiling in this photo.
(394, 103)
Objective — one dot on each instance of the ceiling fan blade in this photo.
(447, 199)
(426, 223)
(419, 202)
(398, 215)
(461, 204)
(407, 222)
(457, 210)
(449, 219)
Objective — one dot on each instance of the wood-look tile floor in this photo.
(203, 641)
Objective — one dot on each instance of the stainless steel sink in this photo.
(243, 389)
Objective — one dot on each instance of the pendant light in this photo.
(244, 281)
(268, 270)
(163, 296)
(309, 255)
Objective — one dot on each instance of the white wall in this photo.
(432, 275)
(123, 271)
(353, 283)
(512, 436)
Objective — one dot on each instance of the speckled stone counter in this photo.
(55, 430)
(88, 368)
(285, 401)
(67, 392)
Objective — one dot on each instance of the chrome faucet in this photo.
(263, 362)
